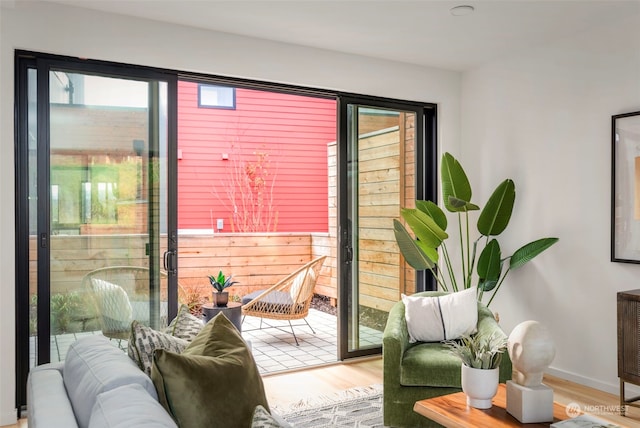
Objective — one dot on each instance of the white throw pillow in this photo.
(437, 318)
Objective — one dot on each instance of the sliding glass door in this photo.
(382, 171)
(96, 198)
(95, 144)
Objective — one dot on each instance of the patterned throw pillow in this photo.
(185, 325)
(143, 342)
(263, 419)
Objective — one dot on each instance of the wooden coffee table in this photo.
(452, 412)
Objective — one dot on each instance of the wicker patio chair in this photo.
(121, 294)
(288, 299)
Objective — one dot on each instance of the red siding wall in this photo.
(293, 130)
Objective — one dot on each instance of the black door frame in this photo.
(426, 188)
(25, 61)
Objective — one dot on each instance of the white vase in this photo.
(480, 386)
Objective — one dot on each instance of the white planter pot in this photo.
(480, 386)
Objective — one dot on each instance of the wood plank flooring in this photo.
(601, 404)
(288, 388)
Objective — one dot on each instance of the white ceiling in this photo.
(421, 32)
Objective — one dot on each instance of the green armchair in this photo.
(415, 371)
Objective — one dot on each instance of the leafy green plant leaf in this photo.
(431, 253)
(527, 252)
(454, 182)
(433, 211)
(412, 253)
(221, 281)
(460, 205)
(479, 351)
(496, 214)
(489, 265)
(424, 227)
(487, 284)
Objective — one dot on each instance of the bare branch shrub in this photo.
(249, 191)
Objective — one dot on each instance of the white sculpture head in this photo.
(531, 350)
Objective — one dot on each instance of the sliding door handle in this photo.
(170, 262)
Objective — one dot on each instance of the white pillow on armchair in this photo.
(437, 318)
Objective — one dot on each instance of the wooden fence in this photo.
(255, 260)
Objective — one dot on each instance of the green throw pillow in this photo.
(214, 382)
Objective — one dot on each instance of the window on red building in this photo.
(214, 96)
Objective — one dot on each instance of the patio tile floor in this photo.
(274, 349)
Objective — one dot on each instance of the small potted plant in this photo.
(220, 283)
(480, 356)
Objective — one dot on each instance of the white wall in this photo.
(76, 32)
(543, 118)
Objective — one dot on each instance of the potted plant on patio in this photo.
(480, 356)
(219, 284)
(429, 224)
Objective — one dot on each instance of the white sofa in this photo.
(97, 386)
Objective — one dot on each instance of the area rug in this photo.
(357, 407)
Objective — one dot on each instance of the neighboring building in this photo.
(268, 139)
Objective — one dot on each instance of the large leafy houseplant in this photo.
(429, 224)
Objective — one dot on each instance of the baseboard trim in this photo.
(611, 388)
(9, 418)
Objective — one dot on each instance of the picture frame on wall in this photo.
(625, 187)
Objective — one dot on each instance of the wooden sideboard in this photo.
(628, 344)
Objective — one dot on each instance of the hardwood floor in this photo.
(288, 388)
(22, 423)
(601, 404)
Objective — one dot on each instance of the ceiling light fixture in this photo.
(462, 10)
